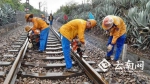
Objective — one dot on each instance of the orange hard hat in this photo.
(107, 22)
(27, 16)
(37, 31)
(27, 28)
(93, 22)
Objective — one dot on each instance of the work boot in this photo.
(108, 58)
(114, 63)
(40, 51)
(71, 70)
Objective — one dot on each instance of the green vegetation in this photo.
(16, 5)
(8, 9)
(136, 14)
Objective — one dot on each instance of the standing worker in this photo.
(117, 28)
(50, 18)
(69, 31)
(38, 23)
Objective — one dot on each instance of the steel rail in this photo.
(90, 72)
(12, 73)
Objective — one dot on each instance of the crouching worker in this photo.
(34, 37)
(69, 31)
(117, 28)
(41, 25)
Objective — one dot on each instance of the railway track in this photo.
(28, 67)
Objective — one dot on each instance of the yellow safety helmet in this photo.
(27, 28)
(27, 16)
(93, 22)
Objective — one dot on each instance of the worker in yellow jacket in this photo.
(117, 28)
(69, 31)
(41, 25)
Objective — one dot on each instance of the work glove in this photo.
(83, 47)
(30, 45)
(109, 47)
(76, 39)
(73, 40)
